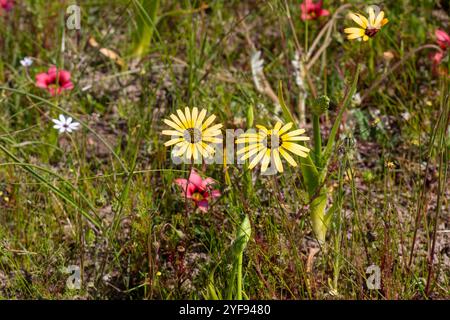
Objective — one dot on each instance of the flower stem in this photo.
(239, 277)
(317, 141)
(191, 166)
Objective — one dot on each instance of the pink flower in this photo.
(198, 190)
(437, 57)
(443, 39)
(312, 11)
(7, 5)
(54, 81)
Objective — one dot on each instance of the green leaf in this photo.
(337, 122)
(212, 293)
(146, 16)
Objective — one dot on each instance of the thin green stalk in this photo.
(239, 277)
(338, 233)
(317, 141)
(306, 35)
(240, 243)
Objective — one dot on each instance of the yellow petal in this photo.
(247, 148)
(212, 139)
(299, 138)
(277, 160)
(365, 38)
(363, 19)
(173, 125)
(200, 118)
(294, 133)
(208, 122)
(194, 116)
(296, 149)
(172, 133)
(288, 157)
(189, 151)
(285, 128)
(194, 151)
(177, 121)
(213, 131)
(203, 152)
(182, 150)
(355, 31)
(371, 16)
(378, 20)
(384, 21)
(208, 148)
(353, 36)
(248, 135)
(251, 152)
(183, 118)
(265, 161)
(248, 140)
(359, 20)
(262, 128)
(255, 160)
(187, 112)
(277, 126)
(173, 141)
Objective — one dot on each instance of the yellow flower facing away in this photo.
(368, 27)
(268, 145)
(192, 133)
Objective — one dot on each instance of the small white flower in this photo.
(406, 115)
(65, 124)
(356, 99)
(26, 62)
(257, 70)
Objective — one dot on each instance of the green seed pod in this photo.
(320, 105)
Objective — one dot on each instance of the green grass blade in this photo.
(56, 190)
(146, 16)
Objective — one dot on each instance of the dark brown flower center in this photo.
(272, 141)
(192, 135)
(371, 32)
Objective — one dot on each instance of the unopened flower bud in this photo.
(320, 105)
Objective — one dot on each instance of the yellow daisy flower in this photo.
(368, 27)
(268, 145)
(192, 133)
